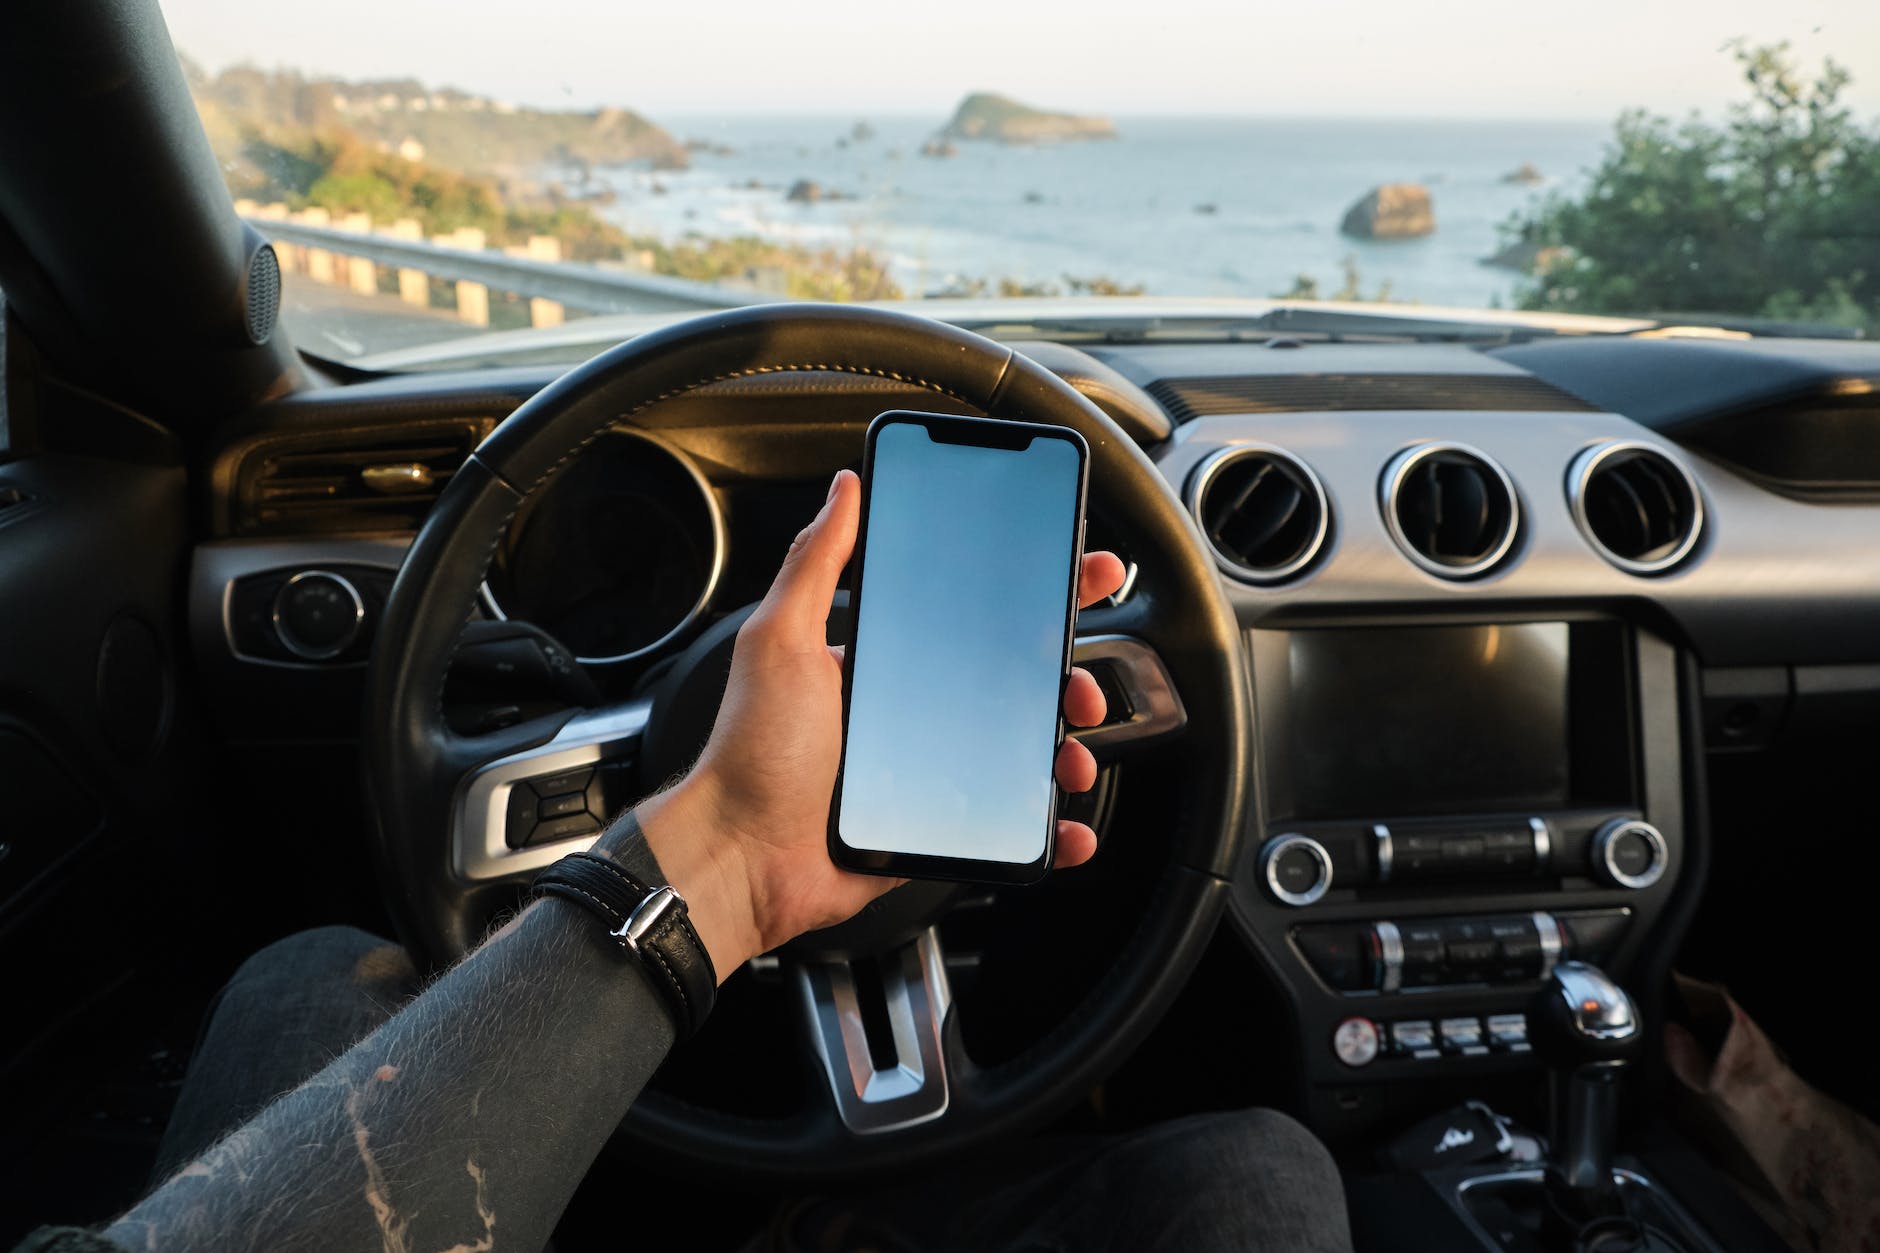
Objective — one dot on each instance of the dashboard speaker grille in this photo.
(262, 299)
(1637, 505)
(1190, 398)
(1262, 510)
(1452, 510)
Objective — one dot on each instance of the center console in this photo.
(1446, 814)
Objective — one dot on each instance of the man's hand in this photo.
(744, 838)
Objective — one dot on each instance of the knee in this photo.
(333, 956)
(1255, 1136)
(1260, 1164)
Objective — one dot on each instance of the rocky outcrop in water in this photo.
(984, 115)
(1391, 211)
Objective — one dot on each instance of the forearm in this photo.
(476, 1109)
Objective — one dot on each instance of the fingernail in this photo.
(833, 485)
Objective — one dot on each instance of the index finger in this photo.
(1101, 576)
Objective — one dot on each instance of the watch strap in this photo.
(648, 922)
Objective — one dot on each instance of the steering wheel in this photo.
(1172, 647)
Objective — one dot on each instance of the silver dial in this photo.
(1355, 1042)
(317, 614)
(1628, 853)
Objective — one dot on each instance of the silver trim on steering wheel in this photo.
(911, 1090)
(479, 848)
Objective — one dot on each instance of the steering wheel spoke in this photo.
(518, 810)
(876, 1026)
(1145, 707)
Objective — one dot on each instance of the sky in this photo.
(959, 648)
(1326, 58)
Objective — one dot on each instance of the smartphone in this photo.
(962, 604)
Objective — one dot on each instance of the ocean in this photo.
(1181, 206)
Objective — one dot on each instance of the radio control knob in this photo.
(317, 614)
(1628, 853)
(1296, 868)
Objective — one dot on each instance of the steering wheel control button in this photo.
(1462, 1035)
(1297, 869)
(1508, 1033)
(566, 781)
(561, 806)
(570, 828)
(1628, 853)
(318, 615)
(520, 817)
(1356, 1042)
(1416, 1039)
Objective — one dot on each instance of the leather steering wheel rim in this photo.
(414, 762)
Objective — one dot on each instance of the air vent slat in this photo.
(316, 483)
(1190, 398)
(1640, 508)
(1452, 510)
(1262, 510)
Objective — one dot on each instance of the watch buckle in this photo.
(646, 918)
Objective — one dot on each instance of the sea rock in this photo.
(1001, 119)
(1208, 209)
(861, 132)
(804, 191)
(1527, 257)
(1391, 211)
(939, 147)
(1525, 176)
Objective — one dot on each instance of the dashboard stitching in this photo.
(502, 528)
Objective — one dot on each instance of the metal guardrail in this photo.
(590, 289)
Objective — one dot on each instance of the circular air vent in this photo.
(1262, 510)
(1452, 510)
(1641, 509)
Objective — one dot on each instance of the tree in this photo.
(1771, 213)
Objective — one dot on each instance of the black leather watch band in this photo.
(648, 922)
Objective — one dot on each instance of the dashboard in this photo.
(1497, 604)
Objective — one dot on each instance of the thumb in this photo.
(807, 583)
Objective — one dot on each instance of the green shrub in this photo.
(1775, 212)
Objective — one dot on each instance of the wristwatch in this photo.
(650, 924)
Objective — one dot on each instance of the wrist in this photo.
(698, 855)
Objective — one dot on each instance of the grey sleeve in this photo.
(477, 1108)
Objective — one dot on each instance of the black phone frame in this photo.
(979, 433)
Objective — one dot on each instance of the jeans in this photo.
(1247, 1180)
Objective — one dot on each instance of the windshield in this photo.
(516, 182)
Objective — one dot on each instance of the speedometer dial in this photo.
(618, 555)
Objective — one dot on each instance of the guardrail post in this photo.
(545, 312)
(414, 286)
(319, 260)
(362, 276)
(473, 299)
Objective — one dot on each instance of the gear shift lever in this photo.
(1587, 1030)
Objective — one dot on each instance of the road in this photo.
(332, 321)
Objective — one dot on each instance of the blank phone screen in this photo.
(959, 647)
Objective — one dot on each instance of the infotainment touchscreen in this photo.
(1424, 720)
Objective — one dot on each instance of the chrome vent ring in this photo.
(1451, 509)
(1636, 504)
(1262, 510)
